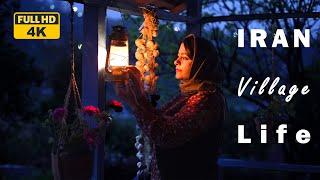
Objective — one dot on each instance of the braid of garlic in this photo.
(146, 53)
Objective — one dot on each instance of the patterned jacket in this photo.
(185, 134)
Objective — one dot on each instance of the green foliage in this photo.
(121, 137)
(18, 75)
(22, 136)
(26, 143)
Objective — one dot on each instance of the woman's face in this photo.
(183, 64)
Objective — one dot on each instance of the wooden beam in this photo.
(93, 60)
(179, 8)
(135, 10)
(274, 166)
(100, 3)
(251, 17)
(162, 4)
(194, 10)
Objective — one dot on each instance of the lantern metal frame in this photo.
(118, 38)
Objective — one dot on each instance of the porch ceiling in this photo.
(174, 6)
(167, 9)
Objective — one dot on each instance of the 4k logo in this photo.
(36, 25)
(39, 31)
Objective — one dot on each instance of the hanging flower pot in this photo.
(76, 132)
(70, 165)
(72, 153)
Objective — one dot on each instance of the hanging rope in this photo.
(72, 101)
(72, 58)
(71, 37)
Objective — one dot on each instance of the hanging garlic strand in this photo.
(146, 53)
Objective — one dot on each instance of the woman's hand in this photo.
(131, 90)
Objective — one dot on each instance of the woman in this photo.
(186, 132)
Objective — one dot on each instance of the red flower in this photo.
(91, 110)
(116, 105)
(58, 114)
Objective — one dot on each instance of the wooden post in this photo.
(194, 11)
(93, 62)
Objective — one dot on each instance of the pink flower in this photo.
(91, 110)
(58, 114)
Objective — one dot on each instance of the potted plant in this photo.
(76, 131)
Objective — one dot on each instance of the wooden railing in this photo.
(224, 163)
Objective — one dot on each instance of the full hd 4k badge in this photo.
(36, 25)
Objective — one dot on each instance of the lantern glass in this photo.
(118, 52)
(119, 55)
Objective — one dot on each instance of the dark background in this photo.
(34, 76)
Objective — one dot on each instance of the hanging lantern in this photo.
(118, 54)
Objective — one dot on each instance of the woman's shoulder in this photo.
(170, 103)
(207, 95)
